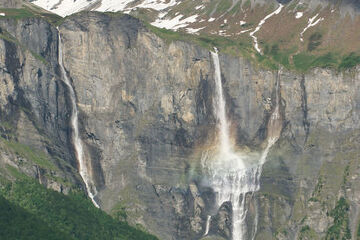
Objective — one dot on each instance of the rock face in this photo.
(33, 104)
(146, 116)
(10, 3)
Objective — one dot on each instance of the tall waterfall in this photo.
(233, 174)
(90, 187)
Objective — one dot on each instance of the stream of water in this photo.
(78, 146)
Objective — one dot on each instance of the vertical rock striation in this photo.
(146, 116)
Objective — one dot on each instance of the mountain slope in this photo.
(319, 33)
(147, 118)
(29, 211)
(17, 223)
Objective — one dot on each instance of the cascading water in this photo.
(207, 228)
(232, 174)
(90, 187)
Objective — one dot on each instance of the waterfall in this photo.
(207, 228)
(90, 187)
(221, 107)
(232, 175)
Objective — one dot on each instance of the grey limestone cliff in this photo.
(146, 114)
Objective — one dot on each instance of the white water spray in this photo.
(231, 174)
(90, 187)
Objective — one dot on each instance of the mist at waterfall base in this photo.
(230, 173)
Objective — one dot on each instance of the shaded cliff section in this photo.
(34, 106)
(314, 166)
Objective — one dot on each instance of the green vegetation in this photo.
(349, 61)
(225, 44)
(278, 56)
(319, 186)
(16, 13)
(303, 61)
(37, 157)
(314, 41)
(17, 223)
(29, 211)
(236, 9)
(247, 4)
(223, 6)
(340, 228)
(346, 175)
(119, 212)
(273, 56)
(307, 233)
(15, 173)
(30, 10)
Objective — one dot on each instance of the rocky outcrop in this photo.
(10, 4)
(34, 107)
(146, 117)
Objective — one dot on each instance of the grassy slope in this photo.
(272, 58)
(29, 10)
(18, 223)
(280, 43)
(29, 211)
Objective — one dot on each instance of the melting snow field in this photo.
(175, 23)
(277, 11)
(67, 7)
(199, 7)
(63, 8)
(299, 15)
(193, 30)
(311, 23)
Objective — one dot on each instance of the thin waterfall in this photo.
(207, 228)
(232, 175)
(78, 146)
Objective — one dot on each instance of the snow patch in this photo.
(174, 23)
(199, 7)
(162, 14)
(242, 23)
(299, 15)
(211, 19)
(68, 7)
(193, 30)
(277, 11)
(247, 30)
(311, 23)
(2, 14)
(244, 31)
(157, 4)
